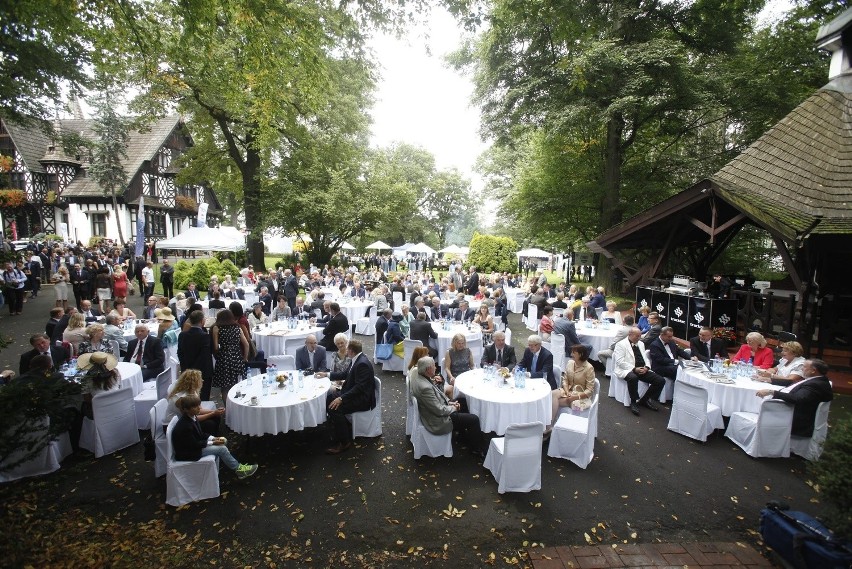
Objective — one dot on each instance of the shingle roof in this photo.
(799, 173)
(141, 146)
(31, 141)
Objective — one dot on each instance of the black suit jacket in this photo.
(660, 360)
(303, 359)
(359, 390)
(544, 365)
(195, 351)
(472, 284)
(806, 397)
(192, 295)
(509, 359)
(50, 327)
(466, 316)
(80, 283)
(422, 330)
(338, 324)
(699, 349)
(58, 354)
(153, 356)
(188, 439)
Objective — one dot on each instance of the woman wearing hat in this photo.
(100, 376)
(231, 348)
(166, 319)
(96, 341)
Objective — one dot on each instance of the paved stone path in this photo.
(703, 555)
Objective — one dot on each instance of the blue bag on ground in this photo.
(802, 540)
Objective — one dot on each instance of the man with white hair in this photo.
(631, 365)
(538, 361)
(311, 356)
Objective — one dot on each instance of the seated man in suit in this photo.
(55, 317)
(91, 313)
(113, 333)
(567, 328)
(654, 331)
(584, 311)
(631, 366)
(337, 324)
(538, 361)
(499, 353)
(665, 353)
(42, 346)
(805, 395)
(464, 313)
(311, 356)
(704, 347)
(192, 294)
(439, 414)
(150, 307)
(437, 312)
(423, 331)
(382, 323)
(147, 352)
(357, 394)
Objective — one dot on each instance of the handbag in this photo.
(580, 404)
(384, 351)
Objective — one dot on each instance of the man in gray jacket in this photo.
(440, 415)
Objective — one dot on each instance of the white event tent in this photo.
(534, 252)
(204, 239)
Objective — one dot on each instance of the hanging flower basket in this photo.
(12, 198)
(184, 202)
(6, 163)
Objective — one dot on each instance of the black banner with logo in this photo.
(643, 298)
(678, 315)
(660, 303)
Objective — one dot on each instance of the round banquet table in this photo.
(600, 338)
(278, 340)
(153, 326)
(730, 398)
(354, 309)
(131, 375)
(445, 338)
(499, 407)
(280, 411)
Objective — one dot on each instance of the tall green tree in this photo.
(109, 150)
(449, 201)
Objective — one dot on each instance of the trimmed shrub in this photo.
(200, 275)
(490, 253)
(833, 473)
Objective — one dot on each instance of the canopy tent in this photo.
(378, 245)
(347, 246)
(420, 248)
(534, 252)
(203, 239)
(454, 249)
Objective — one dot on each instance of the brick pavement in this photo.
(702, 555)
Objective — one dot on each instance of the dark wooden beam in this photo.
(789, 264)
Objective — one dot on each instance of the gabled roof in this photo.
(798, 175)
(142, 146)
(31, 141)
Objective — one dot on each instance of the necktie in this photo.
(637, 355)
(139, 350)
(500, 357)
(709, 353)
(534, 362)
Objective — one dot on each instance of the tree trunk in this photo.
(117, 219)
(611, 210)
(251, 200)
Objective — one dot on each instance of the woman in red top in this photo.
(755, 351)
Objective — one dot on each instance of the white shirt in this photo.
(148, 275)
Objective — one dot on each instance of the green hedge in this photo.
(200, 272)
(489, 253)
(833, 473)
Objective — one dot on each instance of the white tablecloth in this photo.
(131, 375)
(599, 338)
(354, 310)
(445, 338)
(499, 407)
(728, 397)
(280, 411)
(278, 340)
(515, 300)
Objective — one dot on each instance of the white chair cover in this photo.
(764, 434)
(397, 301)
(810, 448)
(692, 413)
(475, 346)
(366, 325)
(369, 423)
(174, 368)
(532, 318)
(508, 332)
(189, 481)
(573, 436)
(425, 442)
(116, 348)
(282, 363)
(61, 448)
(158, 411)
(515, 459)
(409, 346)
(557, 348)
(42, 463)
(114, 426)
(152, 391)
(410, 412)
